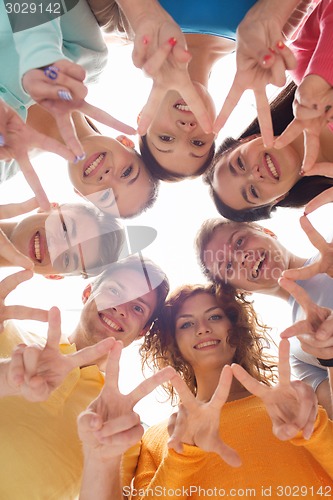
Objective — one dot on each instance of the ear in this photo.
(125, 141)
(54, 276)
(86, 293)
(144, 331)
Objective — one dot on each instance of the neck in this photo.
(207, 381)
(206, 50)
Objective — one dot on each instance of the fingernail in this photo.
(145, 40)
(280, 45)
(305, 213)
(172, 41)
(301, 172)
(272, 50)
(2, 140)
(65, 95)
(266, 58)
(79, 158)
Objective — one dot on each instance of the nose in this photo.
(241, 257)
(104, 174)
(203, 329)
(120, 309)
(186, 125)
(255, 173)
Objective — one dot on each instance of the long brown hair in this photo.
(247, 334)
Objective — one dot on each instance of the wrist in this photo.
(326, 362)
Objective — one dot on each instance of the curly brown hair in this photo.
(248, 335)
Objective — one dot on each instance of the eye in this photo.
(105, 195)
(216, 317)
(166, 138)
(253, 191)
(239, 242)
(138, 309)
(240, 163)
(186, 325)
(127, 172)
(198, 143)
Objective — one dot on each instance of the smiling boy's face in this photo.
(112, 176)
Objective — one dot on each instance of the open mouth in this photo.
(110, 323)
(182, 106)
(207, 343)
(93, 163)
(36, 248)
(270, 165)
(258, 265)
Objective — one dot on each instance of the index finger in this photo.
(54, 330)
(234, 94)
(15, 209)
(12, 255)
(33, 181)
(320, 200)
(293, 130)
(186, 396)
(112, 368)
(11, 282)
(314, 236)
(284, 363)
(148, 385)
(223, 388)
(311, 149)
(252, 385)
(104, 117)
(298, 293)
(264, 117)
(196, 105)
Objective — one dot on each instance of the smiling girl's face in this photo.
(111, 176)
(251, 176)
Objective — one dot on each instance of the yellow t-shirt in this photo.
(41, 451)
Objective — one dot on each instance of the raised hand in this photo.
(261, 58)
(315, 332)
(326, 196)
(291, 405)
(39, 371)
(109, 426)
(312, 110)
(198, 423)
(19, 138)
(324, 263)
(9, 284)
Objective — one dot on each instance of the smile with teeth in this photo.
(94, 164)
(257, 266)
(110, 323)
(206, 344)
(182, 107)
(37, 247)
(271, 166)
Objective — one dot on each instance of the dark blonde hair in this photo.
(247, 334)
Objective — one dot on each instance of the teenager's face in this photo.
(245, 257)
(61, 243)
(112, 176)
(251, 175)
(175, 138)
(202, 331)
(119, 307)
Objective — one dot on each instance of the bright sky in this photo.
(177, 215)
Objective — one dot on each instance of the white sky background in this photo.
(177, 214)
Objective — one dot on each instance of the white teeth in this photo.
(271, 166)
(94, 164)
(183, 107)
(111, 323)
(205, 344)
(257, 265)
(37, 247)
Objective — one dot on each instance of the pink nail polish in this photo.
(280, 45)
(266, 58)
(172, 41)
(145, 40)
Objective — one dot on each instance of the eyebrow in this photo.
(171, 151)
(139, 299)
(191, 315)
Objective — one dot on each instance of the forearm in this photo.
(101, 479)
(265, 9)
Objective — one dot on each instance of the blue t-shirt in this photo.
(320, 290)
(216, 17)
